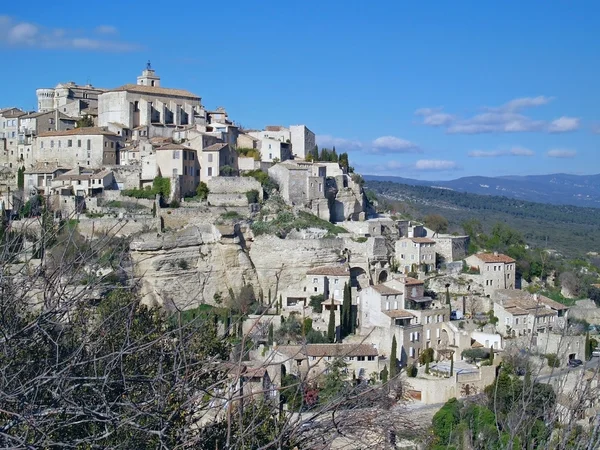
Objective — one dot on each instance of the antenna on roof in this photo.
(148, 65)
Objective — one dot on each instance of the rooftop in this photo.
(215, 147)
(410, 281)
(494, 258)
(386, 290)
(398, 314)
(79, 132)
(174, 147)
(81, 173)
(335, 271)
(323, 350)
(46, 167)
(155, 90)
(422, 240)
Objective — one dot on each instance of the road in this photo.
(593, 364)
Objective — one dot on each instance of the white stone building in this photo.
(271, 149)
(9, 131)
(38, 178)
(148, 104)
(303, 140)
(82, 182)
(328, 281)
(90, 147)
(415, 254)
(520, 313)
(33, 124)
(214, 158)
(496, 271)
(69, 98)
(181, 164)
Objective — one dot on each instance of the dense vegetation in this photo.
(570, 230)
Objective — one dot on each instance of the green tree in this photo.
(202, 191)
(394, 358)
(307, 326)
(384, 374)
(437, 223)
(21, 178)
(85, 122)
(331, 325)
(588, 346)
(445, 422)
(346, 311)
(334, 383)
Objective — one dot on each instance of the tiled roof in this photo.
(422, 240)
(13, 115)
(174, 147)
(215, 147)
(336, 271)
(46, 167)
(410, 281)
(386, 290)
(275, 128)
(328, 301)
(525, 300)
(398, 314)
(516, 311)
(155, 90)
(494, 258)
(324, 350)
(79, 132)
(80, 173)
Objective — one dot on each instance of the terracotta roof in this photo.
(174, 147)
(79, 132)
(494, 258)
(155, 90)
(46, 167)
(410, 281)
(324, 350)
(338, 271)
(476, 344)
(422, 240)
(398, 314)
(386, 290)
(215, 147)
(80, 173)
(327, 301)
(525, 300)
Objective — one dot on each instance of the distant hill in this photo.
(571, 230)
(555, 189)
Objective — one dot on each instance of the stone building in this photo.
(415, 254)
(91, 147)
(272, 149)
(328, 281)
(9, 131)
(181, 165)
(69, 98)
(399, 308)
(496, 271)
(33, 124)
(303, 140)
(82, 182)
(38, 178)
(214, 158)
(520, 313)
(147, 103)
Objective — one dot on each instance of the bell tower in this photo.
(148, 77)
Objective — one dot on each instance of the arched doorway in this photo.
(383, 276)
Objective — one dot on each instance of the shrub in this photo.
(553, 360)
(316, 301)
(202, 191)
(252, 196)
(231, 215)
(183, 264)
(174, 203)
(412, 371)
(475, 354)
(227, 171)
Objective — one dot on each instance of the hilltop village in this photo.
(263, 223)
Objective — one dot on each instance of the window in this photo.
(270, 155)
(192, 156)
(387, 306)
(174, 172)
(176, 154)
(78, 142)
(210, 157)
(51, 144)
(316, 290)
(59, 142)
(395, 305)
(185, 155)
(69, 143)
(371, 358)
(428, 334)
(315, 280)
(335, 281)
(404, 244)
(209, 171)
(360, 358)
(412, 257)
(516, 321)
(412, 352)
(112, 145)
(41, 144)
(185, 170)
(89, 144)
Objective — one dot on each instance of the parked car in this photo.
(595, 353)
(575, 362)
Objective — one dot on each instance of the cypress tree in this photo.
(394, 359)
(491, 355)
(270, 337)
(588, 347)
(331, 326)
(346, 311)
(384, 374)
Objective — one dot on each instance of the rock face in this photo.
(187, 268)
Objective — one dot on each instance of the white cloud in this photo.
(561, 153)
(14, 33)
(502, 119)
(383, 144)
(106, 29)
(515, 151)
(435, 165)
(563, 125)
(393, 144)
(326, 140)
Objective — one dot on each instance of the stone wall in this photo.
(231, 191)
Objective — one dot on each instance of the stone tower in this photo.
(148, 77)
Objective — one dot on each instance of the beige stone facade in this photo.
(496, 271)
(415, 254)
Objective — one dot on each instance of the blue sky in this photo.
(433, 90)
